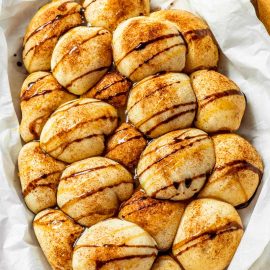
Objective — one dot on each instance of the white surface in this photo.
(246, 47)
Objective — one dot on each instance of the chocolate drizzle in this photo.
(89, 171)
(35, 183)
(155, 55)
(203, 137)
(142, 45)
(100, 264)
(99, 91)
(77, 45)
(152, 93)
(90, 193)
(210, 98)
(113, 246)
(169, 119)
(87, 73)
(205, 236)
(176, 106)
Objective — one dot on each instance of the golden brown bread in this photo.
(176, 165)
(165, 262)
(160, 218)
(48, 24)
(76, 129)
(91, 190)
(221, 104)
(143, 46)
(56, 234)
(109, 13)
(126, 145)
(39, 175)
(81, 57)
(208, 236)
(162, 103)
(264, 13)
(114, 244)
(112, 88)
(202, 49)
(41, 95)
(237, 173)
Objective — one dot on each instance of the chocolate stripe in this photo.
(40, 93)
(88, 171)
(232, 226)
(125, 141)
(101, 212)
(90, 193)
(111, 118)
(45, 215)
(210, 98)
(142, 45)
(99, 92)
(85, 74)
(169, 119)
(76, 46)
(176, 106)
(204, 137)
(100, 264)
(152, 93)
(197, 34)
(35, 183)
(155, 55)
(119, 94)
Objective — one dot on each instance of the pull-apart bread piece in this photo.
(49, 23)
(208, 236)
(90, 190)
(112, 88)
(176, 165)
(143, 46)
(202, 50)
(263, 7)
(114, 244)
(160, 218)
(76, 129)
(126, 145)
(166, 262)
(221, 104)
(162, 103)
(39, 175)
(109, 13)
(81, 57)
(56, 234)
(41, 95)
(237, 173)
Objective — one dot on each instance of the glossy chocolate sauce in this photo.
(114, 246)
(142, 45)
(153, 56)
(210, 98)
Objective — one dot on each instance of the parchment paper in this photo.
(246, 59)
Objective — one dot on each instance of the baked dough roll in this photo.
(81, 57)
(263, 7)
(56, 234)
(237, 173)
(109, 13)
(208, 236)
(202, 50)
(143, 46)
(114, 244)
(176, 165)
(162, 103)
(41, 95)
(160, 218)
(48, 24)
(76, 129)
(166, 262)
(39, 175)
(90, 190)
(126, 145)
(112, 88)
(221, 104)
